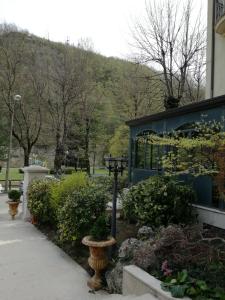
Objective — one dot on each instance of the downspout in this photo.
(213, 50)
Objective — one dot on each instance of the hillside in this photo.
(77, 97)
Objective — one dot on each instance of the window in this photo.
(148, 156)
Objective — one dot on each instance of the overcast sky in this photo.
(105, 22)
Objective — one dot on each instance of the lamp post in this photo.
(16, 98)
(115, 165)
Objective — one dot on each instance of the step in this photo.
(121, 297)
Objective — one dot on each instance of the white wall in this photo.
(219, 75)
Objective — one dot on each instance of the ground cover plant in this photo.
(183, 285)
(188, 259)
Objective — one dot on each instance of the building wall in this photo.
(219, 58)
(203, 184)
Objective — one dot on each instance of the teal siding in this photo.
(202, 185)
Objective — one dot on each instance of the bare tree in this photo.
(17, 76)
(91, 96)
(63, 88)
(196, 78)
(170, 39)
(139, 92)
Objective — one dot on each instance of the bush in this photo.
(79, 212)
(158, 201)
(67, 186)
(20, 171)
(39, 195)
(52, 172)
(107, 182)
(68, 170)
(14, 195)
(101, 229)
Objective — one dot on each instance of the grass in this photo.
(13, 174)
(101, 171)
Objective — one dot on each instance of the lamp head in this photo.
(17, 97)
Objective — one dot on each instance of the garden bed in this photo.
(79, 252)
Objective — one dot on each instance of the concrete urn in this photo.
(13, 208)
(98, 259)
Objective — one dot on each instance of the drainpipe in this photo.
(213, 49)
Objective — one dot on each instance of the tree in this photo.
(137, 94)
(119, 142)
(63, 88)
(90, 101)
(18, 74)
(170, 40)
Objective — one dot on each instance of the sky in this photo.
(106, 23)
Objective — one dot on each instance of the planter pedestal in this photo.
(13, 208)
(98, 259)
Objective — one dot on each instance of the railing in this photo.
(13, 183)
(220, 9)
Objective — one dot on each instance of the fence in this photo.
(13, 183)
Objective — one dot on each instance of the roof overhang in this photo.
(190, 108)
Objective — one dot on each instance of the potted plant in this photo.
(14, 201)
(98, 241)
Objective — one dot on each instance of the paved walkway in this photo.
(33, 268)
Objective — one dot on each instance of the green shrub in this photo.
(21, 171)
(39, 195)
(158, 201)
(67, 186)
(14, 195)
(108, 181)
(68, 170)
(79, 212)
(101, 229)
(52, 171)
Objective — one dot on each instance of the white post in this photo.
(30, 173)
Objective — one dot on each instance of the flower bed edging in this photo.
(138, 282)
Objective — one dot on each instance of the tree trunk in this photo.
(86, 153)
(59, 154)
(26, 157)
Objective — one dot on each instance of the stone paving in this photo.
(33, 268)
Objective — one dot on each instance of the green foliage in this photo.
(39, 195)
(106, 182)
(101, 229)
(68, 170)
(184, 285)
(79, 211)
(159, 200)
(194, 153)
(14, 195)
(118, 145)
(61, 189)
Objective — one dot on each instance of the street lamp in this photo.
(115, 165)
(16, 98)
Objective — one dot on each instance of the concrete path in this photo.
(33, 268)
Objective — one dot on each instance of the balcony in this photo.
(220, 17)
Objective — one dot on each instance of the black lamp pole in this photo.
(115, 166)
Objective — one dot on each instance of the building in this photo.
(215, 49)
(143, 161)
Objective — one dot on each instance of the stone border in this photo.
(138, 282)
(211, 216)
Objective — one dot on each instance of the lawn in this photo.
(13, 174)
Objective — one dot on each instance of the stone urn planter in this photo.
(13, 202)
(98, 259)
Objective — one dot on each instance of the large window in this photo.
(148, 156)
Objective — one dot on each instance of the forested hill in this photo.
(72, 97)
